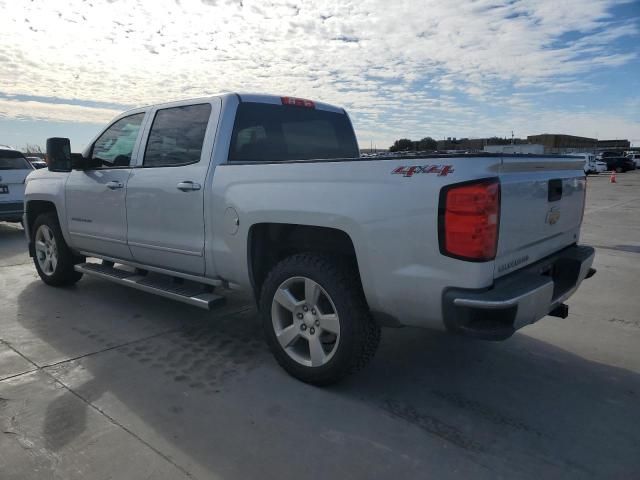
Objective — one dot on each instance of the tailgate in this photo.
(542, 201)
(12, 185)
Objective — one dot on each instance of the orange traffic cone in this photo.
(612, 178)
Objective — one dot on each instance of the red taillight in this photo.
(469, 219)
(297, 102)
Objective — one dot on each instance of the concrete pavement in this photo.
(100, 381)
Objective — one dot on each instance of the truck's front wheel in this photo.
(316, 320)
(53, 259)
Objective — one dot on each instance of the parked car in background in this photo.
(14, 169)
(37, 162)
(591, 165)
(619, 164)
(635, 156)
(604, 155)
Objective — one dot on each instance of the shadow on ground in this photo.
(13, 245)
(207, 391)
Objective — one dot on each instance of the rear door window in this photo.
(265, 132)
(177, 135)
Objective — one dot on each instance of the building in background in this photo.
(559, 143)
(475, 144)
(527, 148)
(614, 144)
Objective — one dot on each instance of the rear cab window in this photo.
(265, 132)
(12, 160)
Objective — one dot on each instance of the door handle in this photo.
(113, 185)
(188, 186)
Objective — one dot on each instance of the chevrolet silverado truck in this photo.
(268, 194)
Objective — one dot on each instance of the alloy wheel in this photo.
(46, 250)
(305, 321)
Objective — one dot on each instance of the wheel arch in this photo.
(269, 243)
(33, 209)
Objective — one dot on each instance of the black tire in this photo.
(359, 335)
(63, 274)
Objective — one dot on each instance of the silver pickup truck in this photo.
(268, 194)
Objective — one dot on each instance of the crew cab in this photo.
(268, 194)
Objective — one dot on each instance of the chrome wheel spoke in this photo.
(288, 335)
(330, 323)
(40, 246)
(311, 292)
(317, 353)
(46, 232)
(286, 299)
(54, 262)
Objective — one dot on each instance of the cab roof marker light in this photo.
(297, 102)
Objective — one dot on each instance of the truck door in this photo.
(166, 194)
(95, 199)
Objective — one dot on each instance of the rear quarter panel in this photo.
(391, 219)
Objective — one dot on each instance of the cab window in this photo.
(114, 148)
(177, 135)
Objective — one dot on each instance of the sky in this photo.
(407, 68)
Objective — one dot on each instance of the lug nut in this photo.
(303, 327)
(313, 310)
(299, 316)
(317, 323)
(305, 308)
(312, 330)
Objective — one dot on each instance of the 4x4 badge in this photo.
(441, 170)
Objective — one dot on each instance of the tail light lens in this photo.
(469, 217)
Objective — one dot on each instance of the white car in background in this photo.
(14, 168)
(591, 164)
(37, 162)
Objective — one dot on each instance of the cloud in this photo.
(384, 62)
(32, 110)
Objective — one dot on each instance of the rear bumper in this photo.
(11, 211)
(519, 299)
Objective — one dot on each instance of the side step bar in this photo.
(193, 294)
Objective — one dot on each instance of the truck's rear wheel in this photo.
(53, 259)
(316, 320)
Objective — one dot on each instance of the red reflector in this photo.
(469, 224)
(297, 102)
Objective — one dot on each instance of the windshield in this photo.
(267, 133)
(12, 160)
